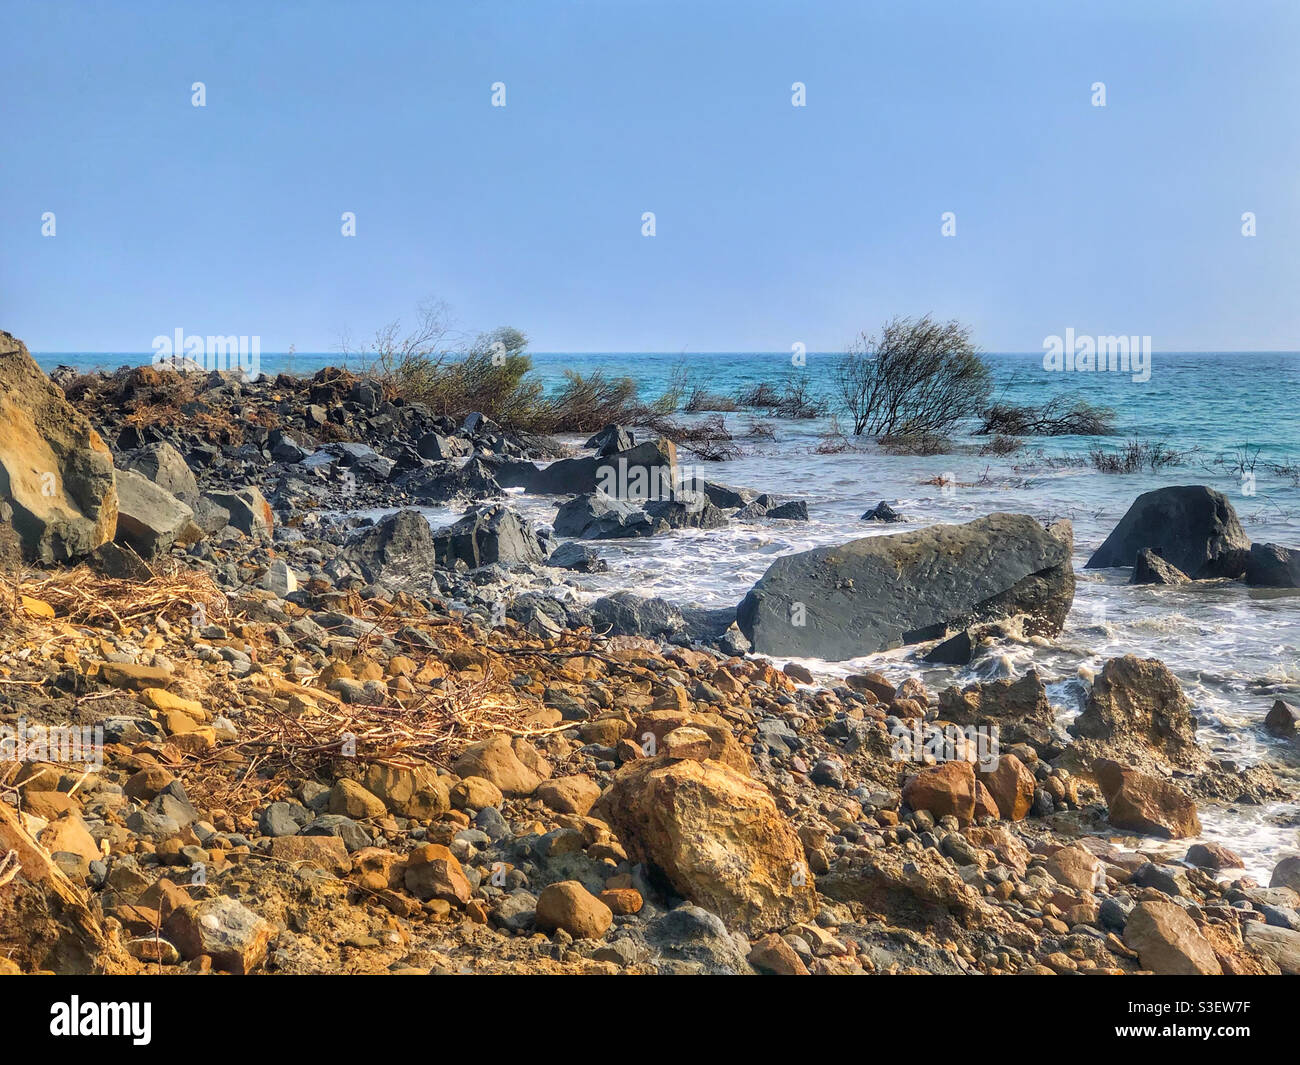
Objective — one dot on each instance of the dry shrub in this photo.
(915, 444)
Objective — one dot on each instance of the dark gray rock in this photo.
(1273, 566)
(284, 448)
(282, 819)
(398, 550)
(472, 480)
(209, 516)
(885, 591)
(795, 510)
(647, 471)
(119, 562)
(705, 625)
(956, 650)
(597, 516)
(249, 511)
(625, 614)
(723, 495)
(363, 460)
(151, 519)
(1192, 527)
(1150, 568)
(164, 466)
(1282, 719)
(487, 534)
(882, 511)
(765, 506)
(354, 837)
(612, 439)
(578, 557)
(692, 513)
(441, 448)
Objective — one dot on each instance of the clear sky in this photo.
(774, 224)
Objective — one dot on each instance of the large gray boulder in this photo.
(596, 516)
(396, 550)
(1273, 566)
(58, 498)
(487, 534)
(885, 591)
(611, 440)
(250, 513)
(1192, 527)
(627, 614)
(647, 471)
(150, 519)
(447, 481)
(164, 466)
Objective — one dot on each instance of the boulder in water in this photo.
(1150, 568)
(1273, 566)
(487, 534)
(885, 591)
(1191, 527)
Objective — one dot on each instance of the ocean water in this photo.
(1234, 418)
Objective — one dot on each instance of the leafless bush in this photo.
(917, 376)
(915, 444)
(795, 400)
(1135, 456)
(1065, 415)
(833, 441)
(708, 439)
(1001, 445)
(702, 400)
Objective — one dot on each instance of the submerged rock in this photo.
(882, 511)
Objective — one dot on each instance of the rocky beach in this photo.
(301, 676)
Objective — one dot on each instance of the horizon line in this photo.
(751, 351)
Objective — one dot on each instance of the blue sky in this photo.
(775, 224)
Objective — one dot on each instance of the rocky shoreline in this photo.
(336, 744)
